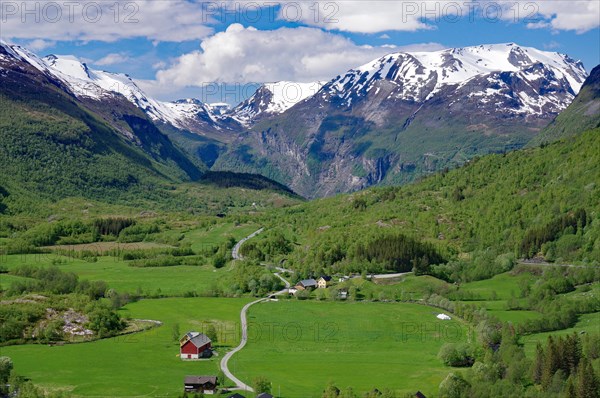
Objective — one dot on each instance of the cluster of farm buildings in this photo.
(322, 283)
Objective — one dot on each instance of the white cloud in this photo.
(557, 15)
(408, 15)
(39, 44)
(360, 16)
(244, 55)
(112, 59)
(109, 21)
(579, 15)
(159, 65)
(181, 20)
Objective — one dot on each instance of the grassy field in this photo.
(6, 280)
(588, 323)
(168, 281)
(501, 286)
(408, 286)
(499, 309)
(200, 238)
(301, 346)
(141, 365)
(165, 281)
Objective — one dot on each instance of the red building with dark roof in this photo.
(194, 345)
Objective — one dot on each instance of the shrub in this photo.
(457, 355)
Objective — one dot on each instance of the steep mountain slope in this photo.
(67, 131)
(55, 145)
(542, 201)
(583, 113)
(408, 114)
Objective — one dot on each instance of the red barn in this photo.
(195, 345)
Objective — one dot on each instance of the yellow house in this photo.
(323, 282)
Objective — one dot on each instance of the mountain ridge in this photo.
(388, 121)
(397, 118)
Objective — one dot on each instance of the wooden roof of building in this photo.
(200, 380)
(199, 339)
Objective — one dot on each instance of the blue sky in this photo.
(184, 48)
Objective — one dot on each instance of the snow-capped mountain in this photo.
(549, 81)
(44, 98)
(408, 114)
(388, 121)
(90, 84)
(187, 114)
(96, 84)
(273, 99)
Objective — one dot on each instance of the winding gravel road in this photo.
(240, 385)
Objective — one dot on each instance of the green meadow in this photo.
(166, 281)
(500, 287)
(139, 365)
(587, 323)
(150, 281)
(199, 238)
(301, 346)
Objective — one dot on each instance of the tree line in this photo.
(399, 253)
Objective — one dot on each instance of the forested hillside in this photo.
(481, 217)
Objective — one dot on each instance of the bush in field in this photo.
(219, 261)
(457, 355)
(261, 385)
(55, 281)
(137, 232)
(103, 320)
(151, 253)
(6, 366)
(161, 261)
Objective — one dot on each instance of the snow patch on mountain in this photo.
(274, 98)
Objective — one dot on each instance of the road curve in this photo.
(235, 253)
(239, 385)
(285, 282)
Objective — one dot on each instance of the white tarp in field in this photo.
(443, 317)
